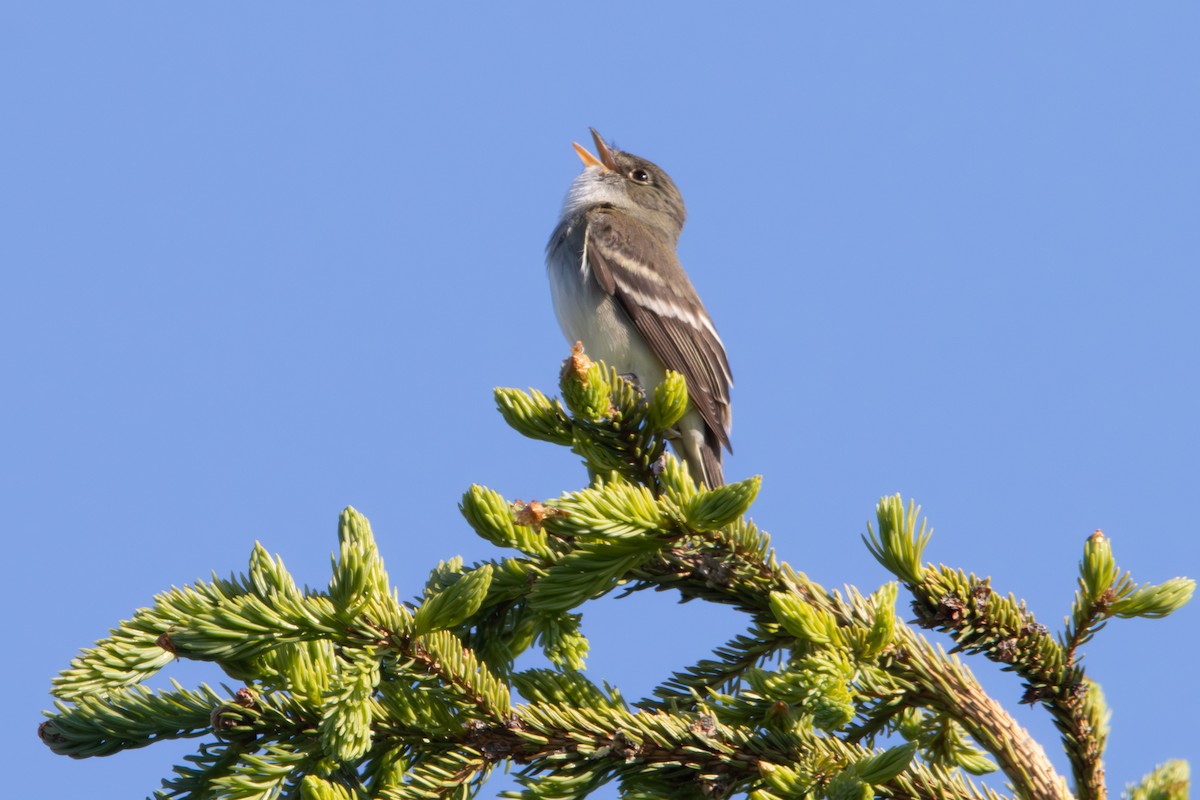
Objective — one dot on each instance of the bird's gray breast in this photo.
(585, 312)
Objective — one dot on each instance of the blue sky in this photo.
(262, 262)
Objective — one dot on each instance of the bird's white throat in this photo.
(589, 189)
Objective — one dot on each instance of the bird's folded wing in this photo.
(640, 269)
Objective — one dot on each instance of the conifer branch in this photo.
(350, 693)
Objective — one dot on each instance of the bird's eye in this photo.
(639, 176)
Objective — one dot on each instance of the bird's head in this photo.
(627, 183)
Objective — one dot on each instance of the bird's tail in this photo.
(710, 457)
(701, 449)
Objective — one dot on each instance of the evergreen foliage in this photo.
(349, 693)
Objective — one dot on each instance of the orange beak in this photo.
(604, 162)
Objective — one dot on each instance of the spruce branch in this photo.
(1003, 629)
(1168, 781)
(350, 693)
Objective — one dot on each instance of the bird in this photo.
(618, 288)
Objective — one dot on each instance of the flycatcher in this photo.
(619, 288)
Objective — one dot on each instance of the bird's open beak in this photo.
(604, 162)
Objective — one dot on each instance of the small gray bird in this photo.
(619, 288)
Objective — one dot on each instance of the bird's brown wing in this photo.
(640, 269)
